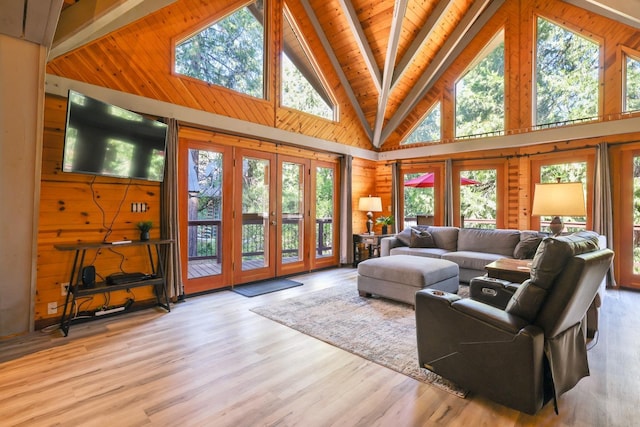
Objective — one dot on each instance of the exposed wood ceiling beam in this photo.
(625, 11)
(422, 36)
(361, 40)
(336, 65)
(399, 10)
(88, 20)
(477, 16)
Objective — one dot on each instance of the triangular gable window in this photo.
(303, 88)
(480, 93)
(429, 129)
(229, 53)
(567, 76)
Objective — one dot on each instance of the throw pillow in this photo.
(421, 239)
(526, 248)
(405, 236)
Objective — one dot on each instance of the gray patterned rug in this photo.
(379, 330)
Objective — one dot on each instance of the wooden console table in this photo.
(513, 270)
(370, 242)
(76, 288)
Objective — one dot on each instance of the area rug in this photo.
(265, 287)
(379, 330)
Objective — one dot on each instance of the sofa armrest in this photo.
(388, 243)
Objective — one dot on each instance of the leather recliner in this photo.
(531, 351)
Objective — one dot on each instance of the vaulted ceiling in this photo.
(387, 54)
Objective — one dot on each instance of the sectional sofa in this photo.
(471, 248)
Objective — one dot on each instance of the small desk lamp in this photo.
(558, 199)
(370, 205)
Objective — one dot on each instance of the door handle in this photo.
(274, 223)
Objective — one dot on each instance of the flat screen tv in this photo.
(103, 139)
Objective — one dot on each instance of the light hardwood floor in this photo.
(212, 362)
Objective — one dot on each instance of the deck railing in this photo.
(205, 242)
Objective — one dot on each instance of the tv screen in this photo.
(103, 139)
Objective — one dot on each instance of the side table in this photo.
(513, 270)
(370, 244)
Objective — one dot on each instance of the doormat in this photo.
(265, 287)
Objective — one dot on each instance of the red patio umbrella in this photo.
(427, 179)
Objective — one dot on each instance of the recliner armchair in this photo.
(533, 350)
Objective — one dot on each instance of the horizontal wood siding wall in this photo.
(138, 59)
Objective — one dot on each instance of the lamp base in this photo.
(556, 226)
(369, 222)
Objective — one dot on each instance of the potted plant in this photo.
(144, 227)
(385, 221)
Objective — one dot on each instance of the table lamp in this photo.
(370, 205)
(558, 199)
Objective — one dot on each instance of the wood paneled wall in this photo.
(517, 180)
(82, 208)
(518, 19)
(138, 59)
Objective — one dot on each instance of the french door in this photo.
(277, 229)
(250, 215)
(206, 191)
(626, 204)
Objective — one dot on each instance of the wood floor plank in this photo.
(211, 361)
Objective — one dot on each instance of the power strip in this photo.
(109, 311)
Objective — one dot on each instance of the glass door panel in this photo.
(255, 216)
(293, 220)
(626, 206)
(205, 214)
(255, 213)
(204, 233)
(292, 205)
(324, 208)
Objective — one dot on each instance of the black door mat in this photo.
(265, 287)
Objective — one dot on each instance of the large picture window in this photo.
(632, 84)
(480, 93)
(302, 86)
(229, 53)
(567, 76)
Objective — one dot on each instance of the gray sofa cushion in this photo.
(421, 239)
(405, 236)
(471, 260)
(426, 252)
(501, 242)
(445, 237)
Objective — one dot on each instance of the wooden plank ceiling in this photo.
(387, 54)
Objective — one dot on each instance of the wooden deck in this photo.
(210, 267)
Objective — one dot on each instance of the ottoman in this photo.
(399, 277)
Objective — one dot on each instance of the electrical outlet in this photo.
(52, 308)
(64, 289)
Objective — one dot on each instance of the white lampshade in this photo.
(370, 204)
(559, 199)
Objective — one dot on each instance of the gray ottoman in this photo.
(399, 277)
